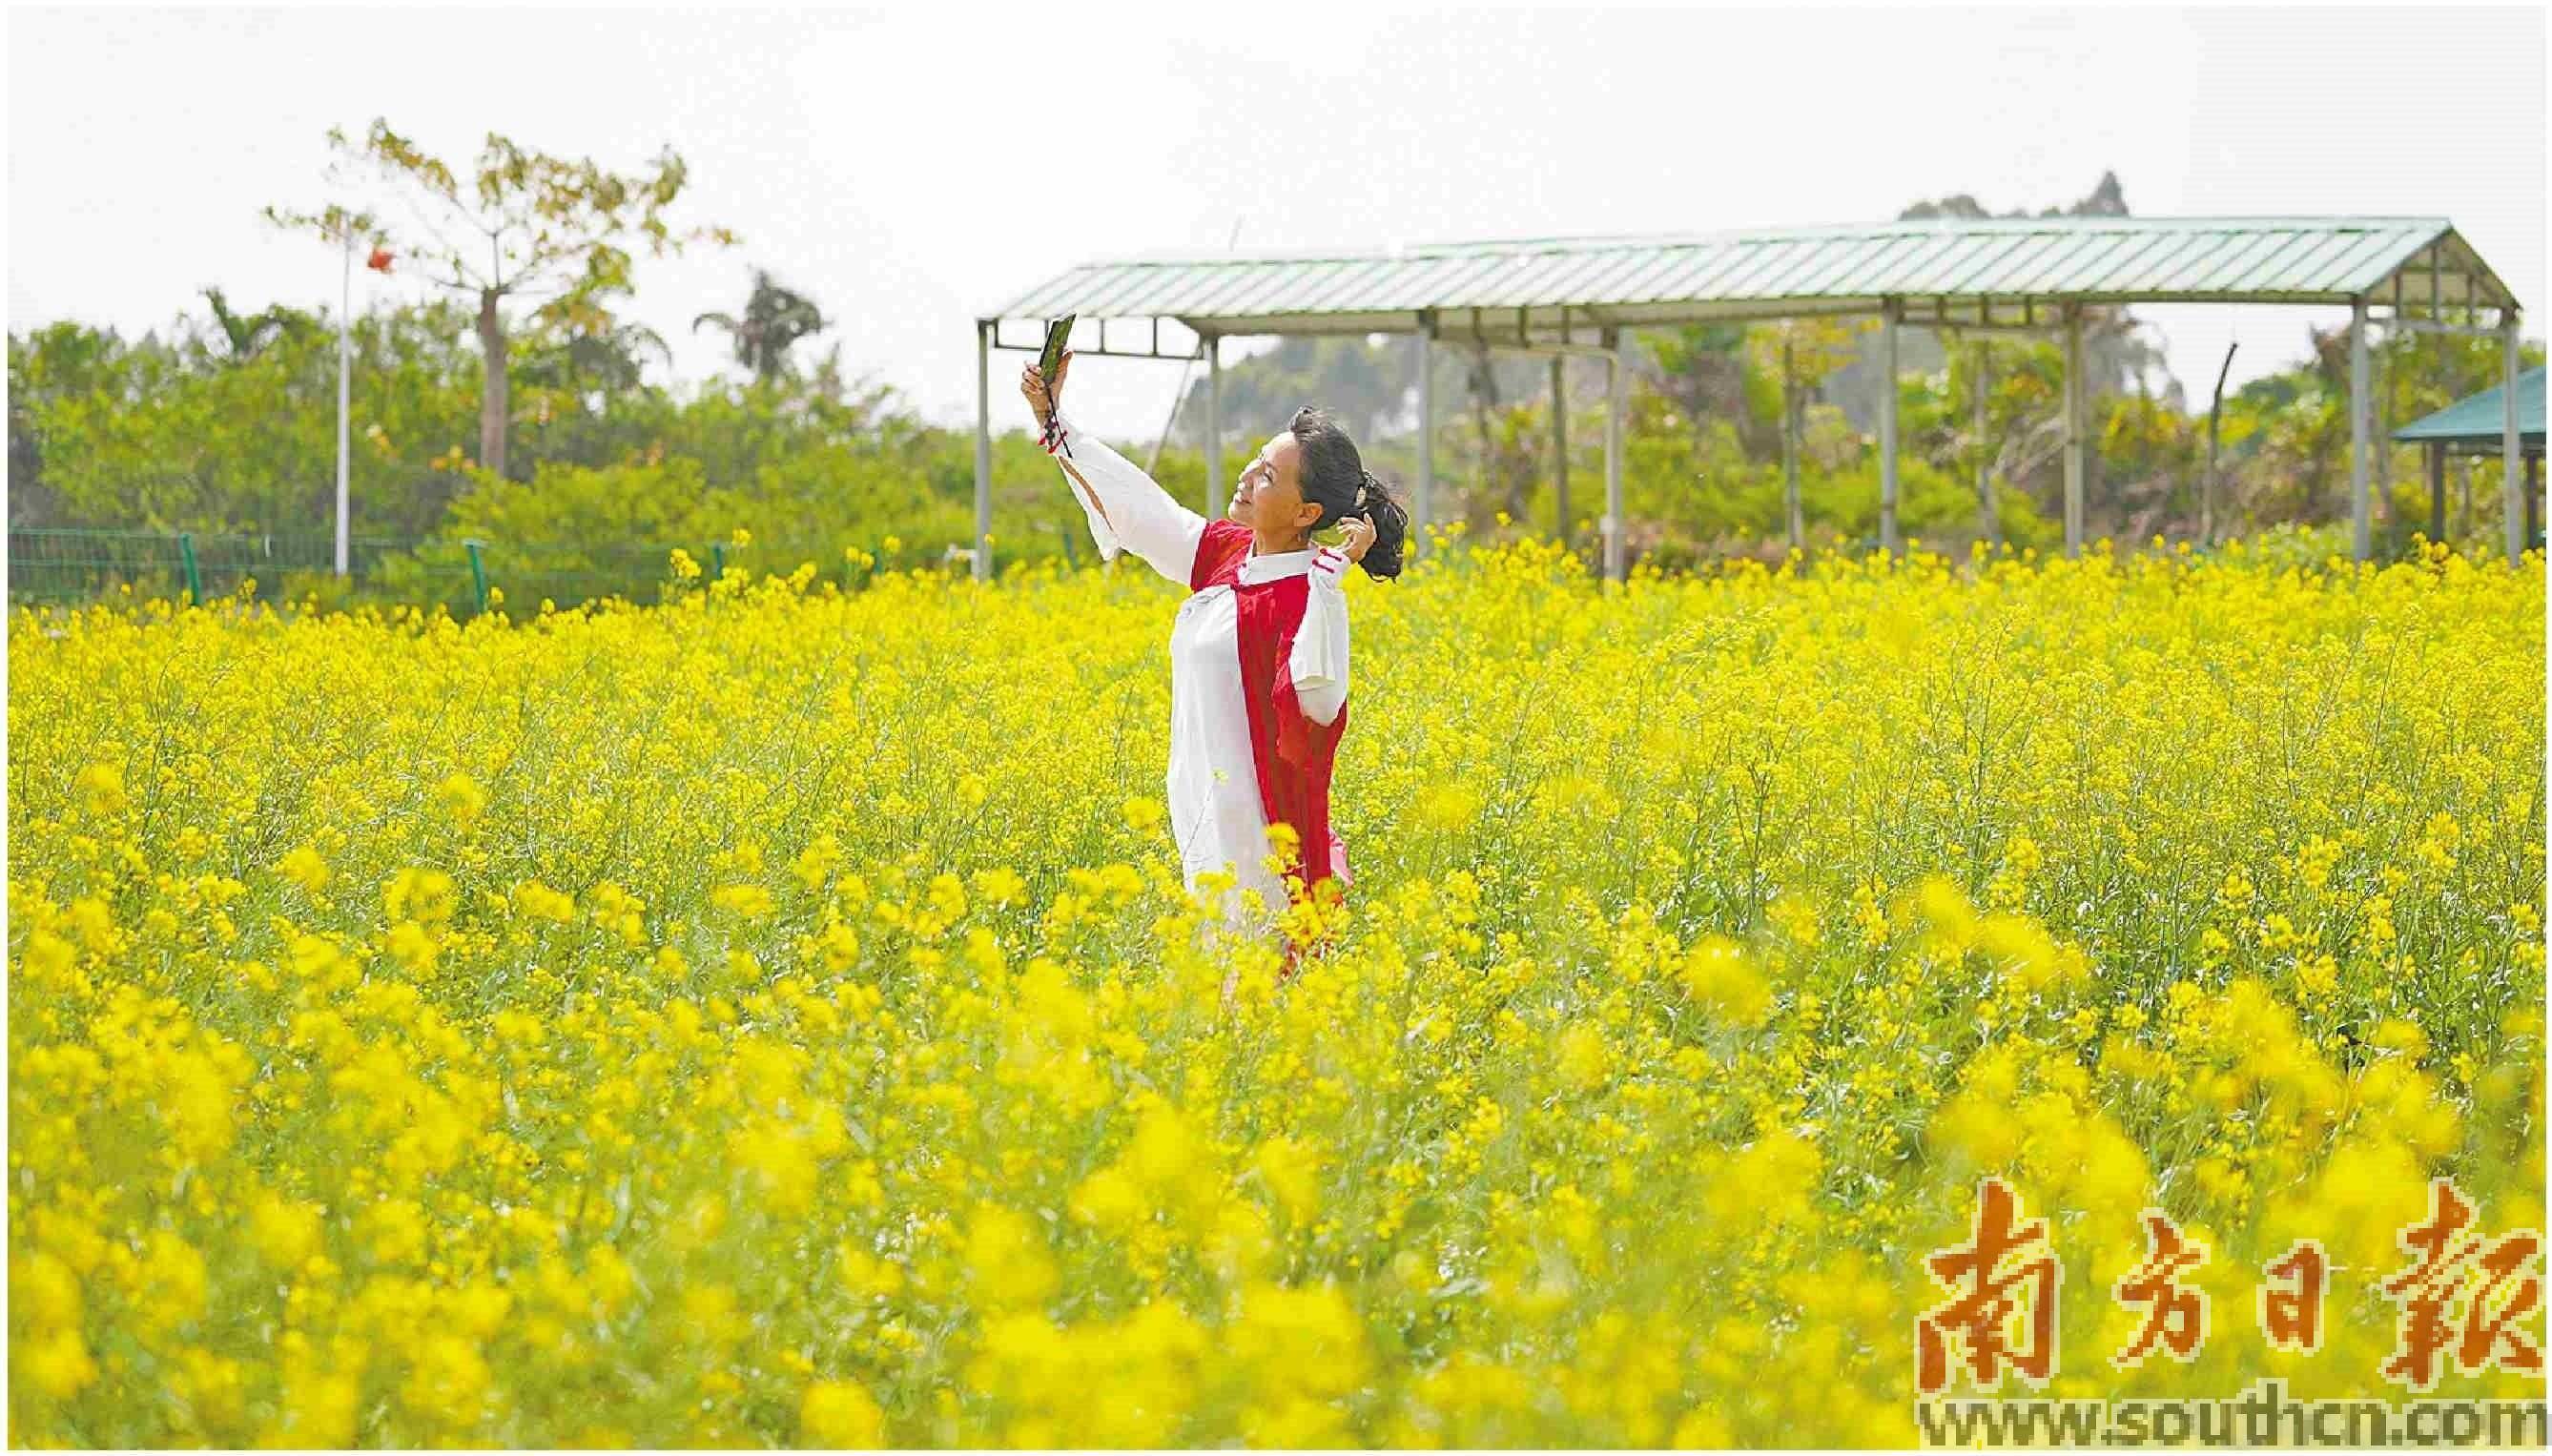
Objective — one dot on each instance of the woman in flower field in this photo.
(1258, 657)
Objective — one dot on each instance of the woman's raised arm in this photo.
(1127, 509)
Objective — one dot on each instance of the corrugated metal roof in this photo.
(2478, 419)
(1536, 286)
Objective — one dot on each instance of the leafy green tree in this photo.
(774, 320)
(182, 435)
(1799, 355)
(59, 361)
(529, 228)
(1706, 370)
(249, 333)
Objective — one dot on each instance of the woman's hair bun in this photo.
(1335, 475)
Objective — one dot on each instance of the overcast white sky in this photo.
(911, 169)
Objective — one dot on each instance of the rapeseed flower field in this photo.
(775, 1019)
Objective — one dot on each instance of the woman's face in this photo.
(1269, 496)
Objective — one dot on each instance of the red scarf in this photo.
(1293, 753)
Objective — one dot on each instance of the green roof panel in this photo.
(2416, 264)
(2479, 419)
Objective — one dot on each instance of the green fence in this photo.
(71, 567)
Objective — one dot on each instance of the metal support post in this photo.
(1617, 386)
(1425, 433)
(1888, 309)
(1984, 457)
(1213, 425)
(983, 553)
(1559, 439)
(2511, 457)
(2072, 430)
(2361, 404)
(2436, 490)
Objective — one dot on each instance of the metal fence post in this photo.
(194, 577)
(477, 575)
(717, 561)
(2511, 446)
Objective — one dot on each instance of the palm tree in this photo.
(774, 319)
(248, 334)
(609, 358)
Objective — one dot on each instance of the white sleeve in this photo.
(1127, 509)
(1320, 663)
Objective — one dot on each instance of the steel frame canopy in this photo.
(1578, 295)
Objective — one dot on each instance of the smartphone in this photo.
(1057, 334)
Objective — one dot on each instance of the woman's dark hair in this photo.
(1334, 478)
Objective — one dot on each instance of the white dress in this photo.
(1212, 783)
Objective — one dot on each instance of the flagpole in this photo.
(345, 364)
(345, 369)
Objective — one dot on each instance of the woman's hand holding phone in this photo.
(1041, 398)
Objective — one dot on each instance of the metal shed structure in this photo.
(1580, 295)
(2477, 424)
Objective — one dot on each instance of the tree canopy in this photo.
(552, 232)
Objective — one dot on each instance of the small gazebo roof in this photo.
(2475, 422)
